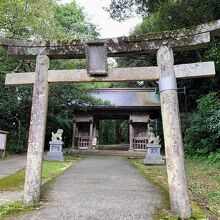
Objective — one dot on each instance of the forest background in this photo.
(48, 19)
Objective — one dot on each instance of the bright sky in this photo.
(108, 27)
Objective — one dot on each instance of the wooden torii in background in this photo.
(163, 44)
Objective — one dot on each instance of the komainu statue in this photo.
(152, 138)
(57, 136)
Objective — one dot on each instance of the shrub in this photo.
(15, 149)
(202, 137)
(214, 157)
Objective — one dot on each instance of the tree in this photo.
(29, 19)
(201, 136)
(190, 10)
(43, 19)
(74, 22)
(124, 9)
(175, 14)
(203, 133)
(178, 14)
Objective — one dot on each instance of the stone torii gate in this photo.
(163, 44)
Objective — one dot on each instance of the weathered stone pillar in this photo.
(91, 132)
(74, 134)
(94, 130)
(179, 198)
(131, 135)
(37, 132)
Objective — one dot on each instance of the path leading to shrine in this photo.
(100, 187)
(8, 167)
(12, 165)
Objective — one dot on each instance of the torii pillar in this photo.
(179, 198)
(37, 131)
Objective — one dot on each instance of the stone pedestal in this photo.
(153, 154)
(55, 153)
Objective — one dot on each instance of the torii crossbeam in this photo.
(163, 44)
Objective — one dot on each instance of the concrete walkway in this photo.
(100, 187)
(11, 165)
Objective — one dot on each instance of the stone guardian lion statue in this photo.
(152, 138)
(57, 136)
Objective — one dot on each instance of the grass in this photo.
(16, 208)
(50, 170)
(12, 182)
(203, 182)
(197, 214)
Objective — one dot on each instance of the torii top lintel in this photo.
(178, 40)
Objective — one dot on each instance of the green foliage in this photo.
(13, 148)
(214, 157)
(15, 105)
(43, 19)
(180, 14)
(113, 132)
(50, 170)
(74, 22)
(168, 14)
(203, 135)
(16, 208)
(25, 19)
(63, 100)
(13, 182)
(201, 129)
(124, 9)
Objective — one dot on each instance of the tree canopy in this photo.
(124, 9)
(203, 109)
(43, 19)
(169, 11)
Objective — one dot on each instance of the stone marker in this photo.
(153, 155)
(56, 146)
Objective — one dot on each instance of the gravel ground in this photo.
(100, 187)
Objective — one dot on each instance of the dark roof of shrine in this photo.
(128, 98)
